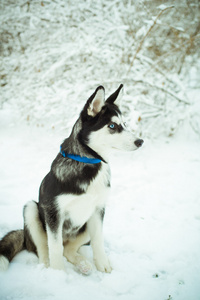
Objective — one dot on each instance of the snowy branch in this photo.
(145, 36)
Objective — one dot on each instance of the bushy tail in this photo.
(11, 244)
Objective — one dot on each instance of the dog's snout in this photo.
(138, 143)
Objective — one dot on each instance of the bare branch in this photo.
(147, 33)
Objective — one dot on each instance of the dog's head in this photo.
(103, 127)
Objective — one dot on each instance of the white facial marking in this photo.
(103, 140)
(119, 120)
(116, 119)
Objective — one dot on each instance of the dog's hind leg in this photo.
(35, 235)
(71, 253)
(55, 245)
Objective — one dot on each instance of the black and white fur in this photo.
(73, 194)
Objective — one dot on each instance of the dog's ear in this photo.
(115, 98)
(96, 101)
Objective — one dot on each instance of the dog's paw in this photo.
(83, 265)
(103, 264)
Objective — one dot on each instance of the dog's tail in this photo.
(11, 244)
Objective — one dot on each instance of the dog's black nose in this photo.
(138, 143)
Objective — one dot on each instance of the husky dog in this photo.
(73, 194)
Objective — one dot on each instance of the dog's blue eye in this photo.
(112, 126)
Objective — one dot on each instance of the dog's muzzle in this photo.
(138, 143)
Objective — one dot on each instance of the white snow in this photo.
(151, 228)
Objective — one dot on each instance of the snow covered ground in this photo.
(56, 52)
(152, 221)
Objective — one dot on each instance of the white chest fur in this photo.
(79, 208)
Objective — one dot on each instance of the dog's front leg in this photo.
(97, 242)
(55, 244)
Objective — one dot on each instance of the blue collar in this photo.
(79, 158)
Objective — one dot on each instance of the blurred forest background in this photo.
(54, 53)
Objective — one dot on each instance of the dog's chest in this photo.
(79, 208)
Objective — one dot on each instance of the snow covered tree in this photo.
(54, 53)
